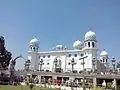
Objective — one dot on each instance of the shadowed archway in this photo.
(57, 64)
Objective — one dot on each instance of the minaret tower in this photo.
(34, 45)
(32, 53)
(104, 58)
(90, 43)
(90, 47)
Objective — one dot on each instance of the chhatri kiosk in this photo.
(69, 62)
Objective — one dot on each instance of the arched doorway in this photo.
(13, 63)
(58, 64)
(14, 75)
(20, 63)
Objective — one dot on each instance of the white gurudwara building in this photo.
(83, 56)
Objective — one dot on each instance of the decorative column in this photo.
(113, 63)
(94, 82)
(114, 85)
(40, 64)
(54, 77)
(72, 78)
(55, 62)
(73, 63)
(94, 63)
(83, 85)
(39, 77)
(54, 80)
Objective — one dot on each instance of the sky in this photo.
(56, 22)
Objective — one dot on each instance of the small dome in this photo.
(104, 53)
(59, 46)
(77, 44)
(90, 35)
(34, 41)
(101, 58)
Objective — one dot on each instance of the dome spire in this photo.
(104, 49)
(90, 29)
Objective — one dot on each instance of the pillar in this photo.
(39, 77)
(94, 82)
(72, 78)
(115, 81)
(54, 77)
(54, 80)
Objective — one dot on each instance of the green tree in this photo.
(109, 85)
(91, 85)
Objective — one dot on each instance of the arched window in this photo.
(48, 56)
(88, 44)
(75, 55)
(103, 60)
(39, 57)
(34, 49)
(69, 55)
(69, 63)
(82, 55)
(93, 45)
(44, 56)
(106, 60)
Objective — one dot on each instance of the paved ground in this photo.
(5, 87)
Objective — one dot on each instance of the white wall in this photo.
(64, 57)
(34, 60)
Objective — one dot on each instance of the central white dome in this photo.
(77, 44)
(104, 53)
(90, 35)
(34, 41)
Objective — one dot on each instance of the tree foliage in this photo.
(5, 56)
(109, 85)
